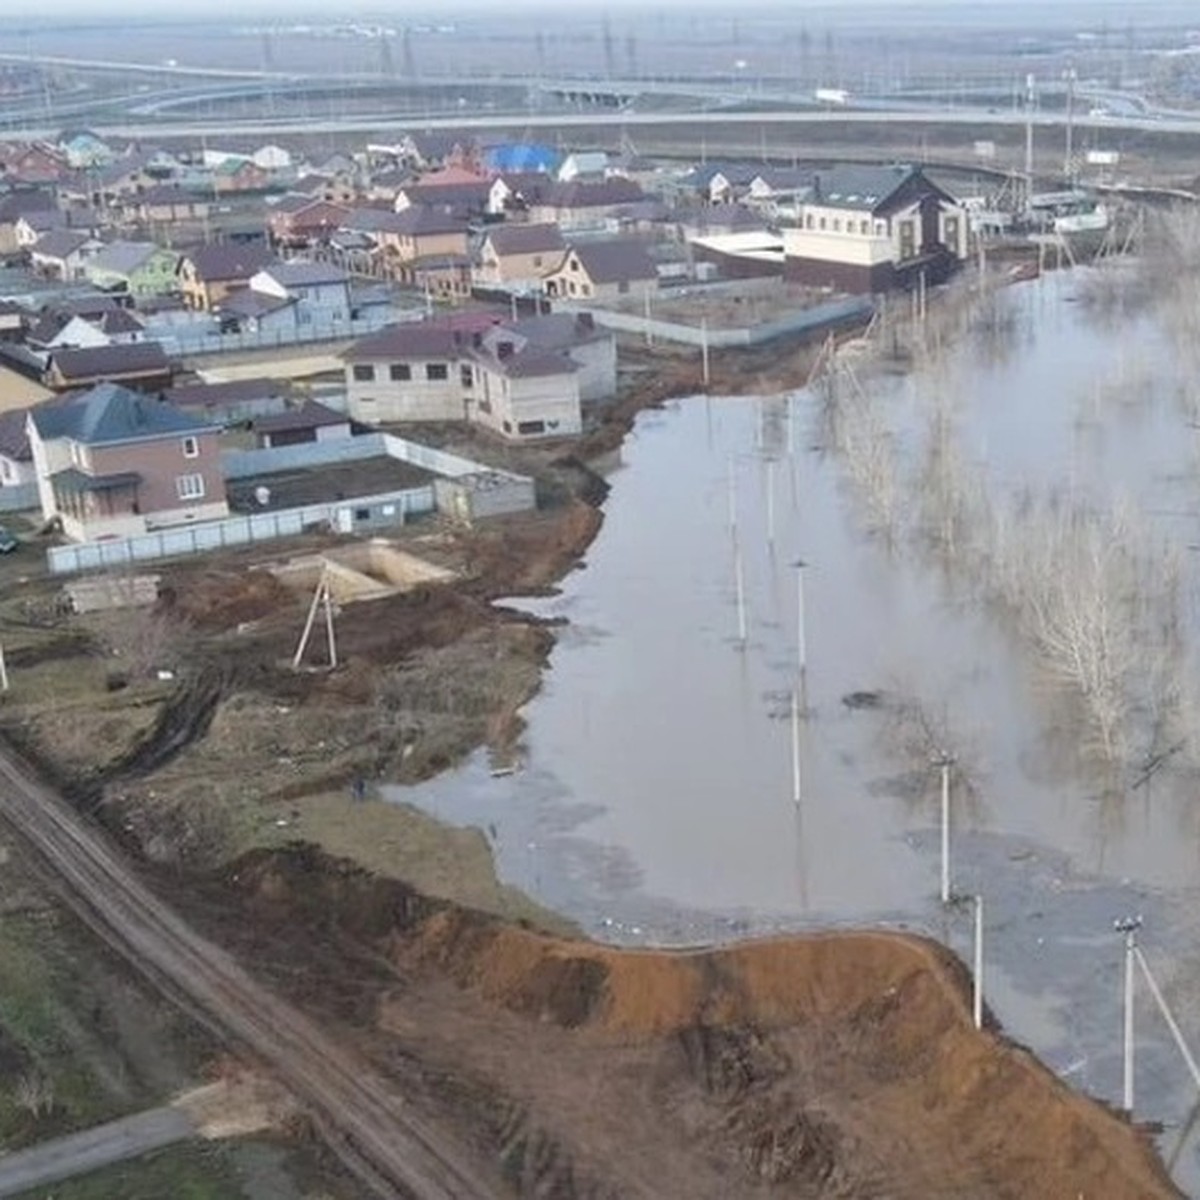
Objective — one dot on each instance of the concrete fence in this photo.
(18, 497)
(816, 320)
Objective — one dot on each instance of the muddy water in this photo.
(656, 796)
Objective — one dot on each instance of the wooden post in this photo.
(308, 623)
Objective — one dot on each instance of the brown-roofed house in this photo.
(298, 221)
(140, 365)
(310, 422)
(209, 273)
(583, 203)
(604, 271)
(518, 254)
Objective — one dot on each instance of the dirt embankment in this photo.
(827, 1066)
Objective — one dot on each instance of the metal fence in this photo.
(234, 531)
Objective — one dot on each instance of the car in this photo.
(8, 543)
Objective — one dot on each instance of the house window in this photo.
(362, 514)
(435, 372)
(190, 487)
(808, 221)
(364, 373)
(191, 448)
(400, 372)
(466, 375)
(537, 260)
(821, 223)
(837, 224)
(864, 227)
(574, 264)
(622, 287)
(531, 428)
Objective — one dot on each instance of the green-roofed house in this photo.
(870, 229)
(139, 268)
(111, 462)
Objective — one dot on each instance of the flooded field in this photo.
(655, 801)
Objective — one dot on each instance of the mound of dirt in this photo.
(216, 600)
(819, 1066)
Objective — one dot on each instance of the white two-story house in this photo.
(869, 229)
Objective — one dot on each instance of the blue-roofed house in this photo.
(520, 156)
(111, 462)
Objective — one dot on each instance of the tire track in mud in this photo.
(393, 1150)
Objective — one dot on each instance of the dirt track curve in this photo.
(372, 1129)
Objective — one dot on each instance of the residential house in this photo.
(309, 422)
(271, 158)
(135, 268)
(296, 220)
(582, 204)
(30, 164)
(231, 403)
(13, 206)
(33, 224)
(775, 186)
(421, 233)
(583, 164)
(445, 277)
(516, 192)
(517, 255)
(62, 254)
(333, 189)
(16, 458)
(83, 149)
(603, 271)
(871, 229)
(167, 204)
(387, 185)
(320, 290)
(12, 321)
(522, 379)
(114, 327)
(116, 463)
(209, 273)
(239, 175)
(45, 332)
(465, 198)
(720, 182)
(248, 311)
(520, 157)
(437, 149)
(142, 365)
(412, 372)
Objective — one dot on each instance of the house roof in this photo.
(452, 177)
(421, 221)
(438, 338)
(59, 243)
(737, 173)
(449, 195)
(237, 391)
(292, 202)
(24, 203)
(42, 220)
(434, 145)
(96, 362)
(529, 362)
(521, 156)
(246, 302)
(615, 261)
(123, 258)
(526, 239)
(558, 331)
(228, 260)
(310, 415)
(109, 413)
(580, 193)
(298, 272)
(862, 188)
(14, 435)
(118, 321)
(169, 193)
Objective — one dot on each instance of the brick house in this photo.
(296, 221)
(115, 463)
(871, 229)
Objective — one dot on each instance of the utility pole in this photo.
(801, 642)
(1129, 927)
(796, 747)
(771, 504)
(1030, 101)
(944, 761)
(1069, 163)
(704, 372)
(739, 581)
(977, 994)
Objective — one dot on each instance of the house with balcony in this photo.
(873, 229)
(113, 462)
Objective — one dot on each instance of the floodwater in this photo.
(655, 797)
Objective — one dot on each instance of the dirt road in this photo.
(391, 1148)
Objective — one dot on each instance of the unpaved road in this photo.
(372, 1129)
(62, 1158)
